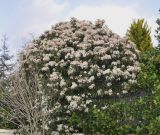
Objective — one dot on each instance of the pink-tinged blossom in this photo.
(81, 60)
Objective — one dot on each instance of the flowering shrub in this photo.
(83, 62)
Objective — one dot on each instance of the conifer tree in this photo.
(158, 30)
(139, 34)
(5, 58)
(6, 66)
(157, 57)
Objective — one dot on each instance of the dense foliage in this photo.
(139, 34)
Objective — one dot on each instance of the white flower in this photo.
(99, 92)
(60, 127)
(84, 65)
(46, 127)
(68, 111)
(62, 83)
(106, 57)
(88, 101)
(109, 84)
(46, 58)
(73, 105)
(75, 62)
(128, 52)
(131, 59)
(62, 93)
(99, 42)
(45, 69)
(133, 76)
(103, 66)
(98, 74)
(91, 86)
(91, 79)
(116, 52)
(55, 133)
(83, 95)
(71, 71)
(86, 110)
(118, 94)
(106, 72)
(132, 81)
(52, 63)
(67, 55)
(106, 92)
(124, 92)
(68, 98)
(77, 54)
(74, 85)
(110, 92)
(58, 54)
(49, 85)
(65, 126)
(116, 71)
(54, 76)
(114, 63)
(76, 98)
(103, 108)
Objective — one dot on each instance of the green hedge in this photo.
(137, 113)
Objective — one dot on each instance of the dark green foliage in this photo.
(139, 34)
(150, 72)
(141, 116)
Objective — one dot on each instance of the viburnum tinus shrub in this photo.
(84, 62)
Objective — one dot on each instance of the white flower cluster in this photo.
(82, 61)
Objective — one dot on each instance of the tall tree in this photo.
(139, 34)
(158, 30)
(157, 58)
(5, 58)
(5, 69)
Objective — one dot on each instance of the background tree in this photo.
(139, 34)
(6, 66)
(158, 30)
(5, 59)
(157, 57)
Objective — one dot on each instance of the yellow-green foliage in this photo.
(139, 34)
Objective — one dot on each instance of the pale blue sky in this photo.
(19, 18)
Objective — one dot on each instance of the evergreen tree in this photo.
(139, 34)
(5, 69)
(158, 30)
(5, 59)
(157, 57)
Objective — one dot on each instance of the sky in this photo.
(20, 20)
